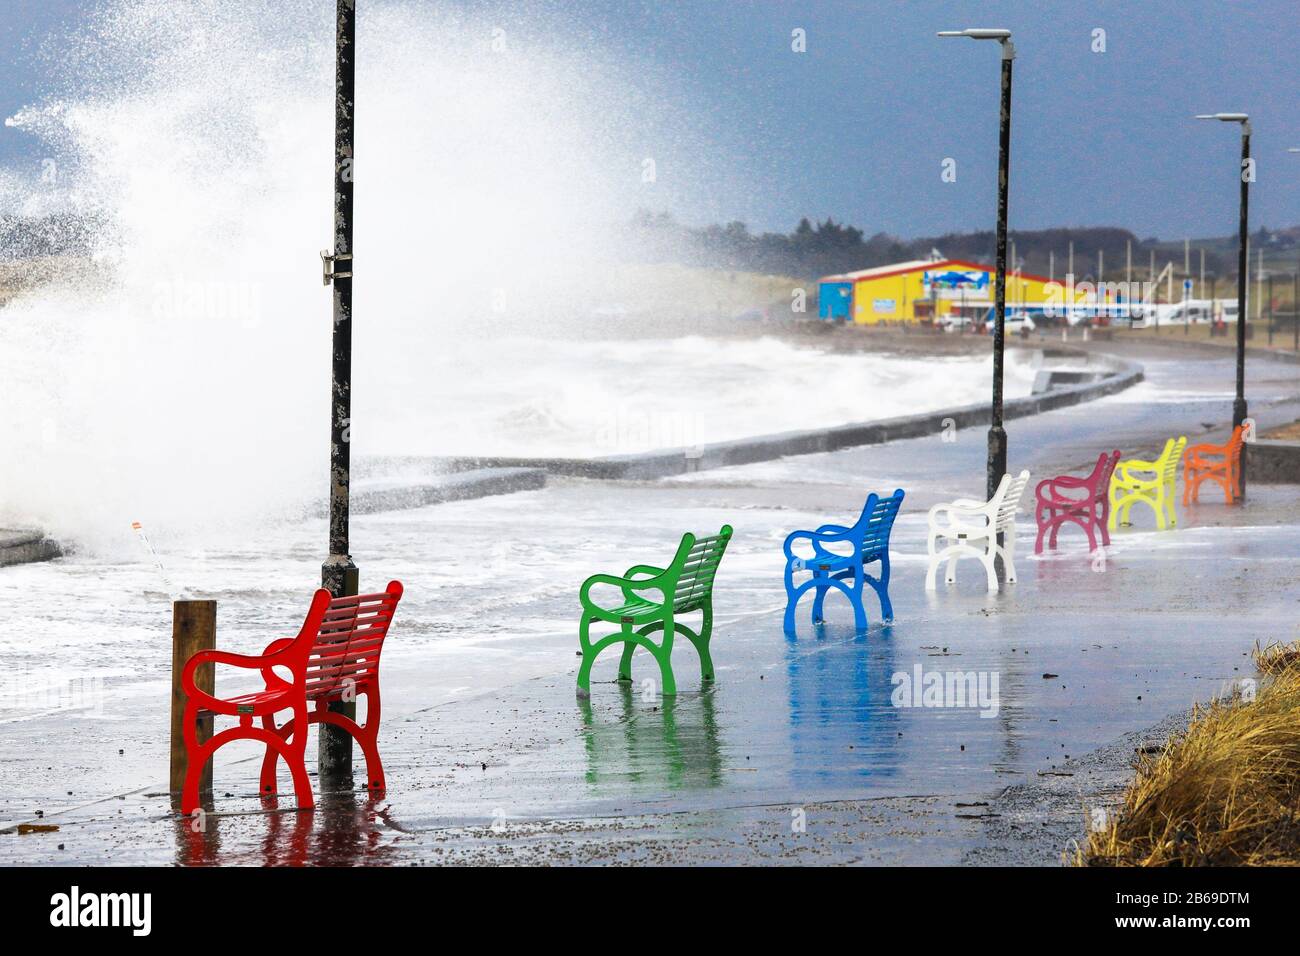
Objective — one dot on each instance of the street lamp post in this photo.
(1239, 403)
(1295, 293)
(338, 574)
(997, 455)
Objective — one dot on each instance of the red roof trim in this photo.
(934, 265)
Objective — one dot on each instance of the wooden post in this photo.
(194, 629)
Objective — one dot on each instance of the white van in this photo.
(1192, 311)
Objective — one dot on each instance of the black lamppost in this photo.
(1295, 293)
(1246, 175)
(338, 574)
(997, 458)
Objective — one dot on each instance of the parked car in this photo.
(952, 322)
(1020, 323)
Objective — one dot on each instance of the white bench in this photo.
(972, 527)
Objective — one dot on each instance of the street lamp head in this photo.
(985, 33)
(1242, 118)
(977, 33)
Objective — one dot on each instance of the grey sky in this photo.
(858, 126)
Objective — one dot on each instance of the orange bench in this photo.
(1218, 463)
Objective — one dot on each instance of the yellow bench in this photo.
(1151, 482)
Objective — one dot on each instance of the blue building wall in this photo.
(834, 300)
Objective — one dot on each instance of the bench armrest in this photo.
(832, 529)
(595, 579)
(1138, 464)
(625, 584)
(1144, 474)
(652, 574)
(261, 662)
(816, 538)
(956, 518)
(1048, 490)
(268, 674)
(1200, 451)
(649, 569)
(247, 661)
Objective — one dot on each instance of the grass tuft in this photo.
(1226, 793)
(1276, 657)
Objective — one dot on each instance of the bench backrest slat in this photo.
(1233, 448)
(696, 565)
(1100, 480)
(1010, 490)
(349, 640)
(1173, 454)
(877, 521)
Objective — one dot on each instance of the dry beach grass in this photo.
(1226, 793)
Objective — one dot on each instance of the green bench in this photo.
(685, 586)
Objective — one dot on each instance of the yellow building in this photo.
(917, 291)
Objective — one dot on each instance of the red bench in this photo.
(335, 657)
(1080, 500)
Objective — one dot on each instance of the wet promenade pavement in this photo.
(796, 754)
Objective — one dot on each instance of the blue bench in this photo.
(843, 565)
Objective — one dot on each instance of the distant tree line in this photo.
(816, 249)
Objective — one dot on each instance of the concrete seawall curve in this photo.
(1090, 375)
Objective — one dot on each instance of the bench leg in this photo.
(196, 759)
(882, 591)
(592, 651)
(855, 598)
(787, 623)
(1009, 555)
(1125, 506)
(818, 581)
(295, 756)
(589, 653)
(664, 655)
(948, 557)
(266, 781)
(368, 737)
(791, 599)
(1158, 507)
(989, 560)
(1043, 522)
(625, 662)
(293, 749)
(819, 598)
(932, 564)
(702, 643)
(1087, 523)
(668, 683)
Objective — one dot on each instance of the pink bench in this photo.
(1082, 501)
